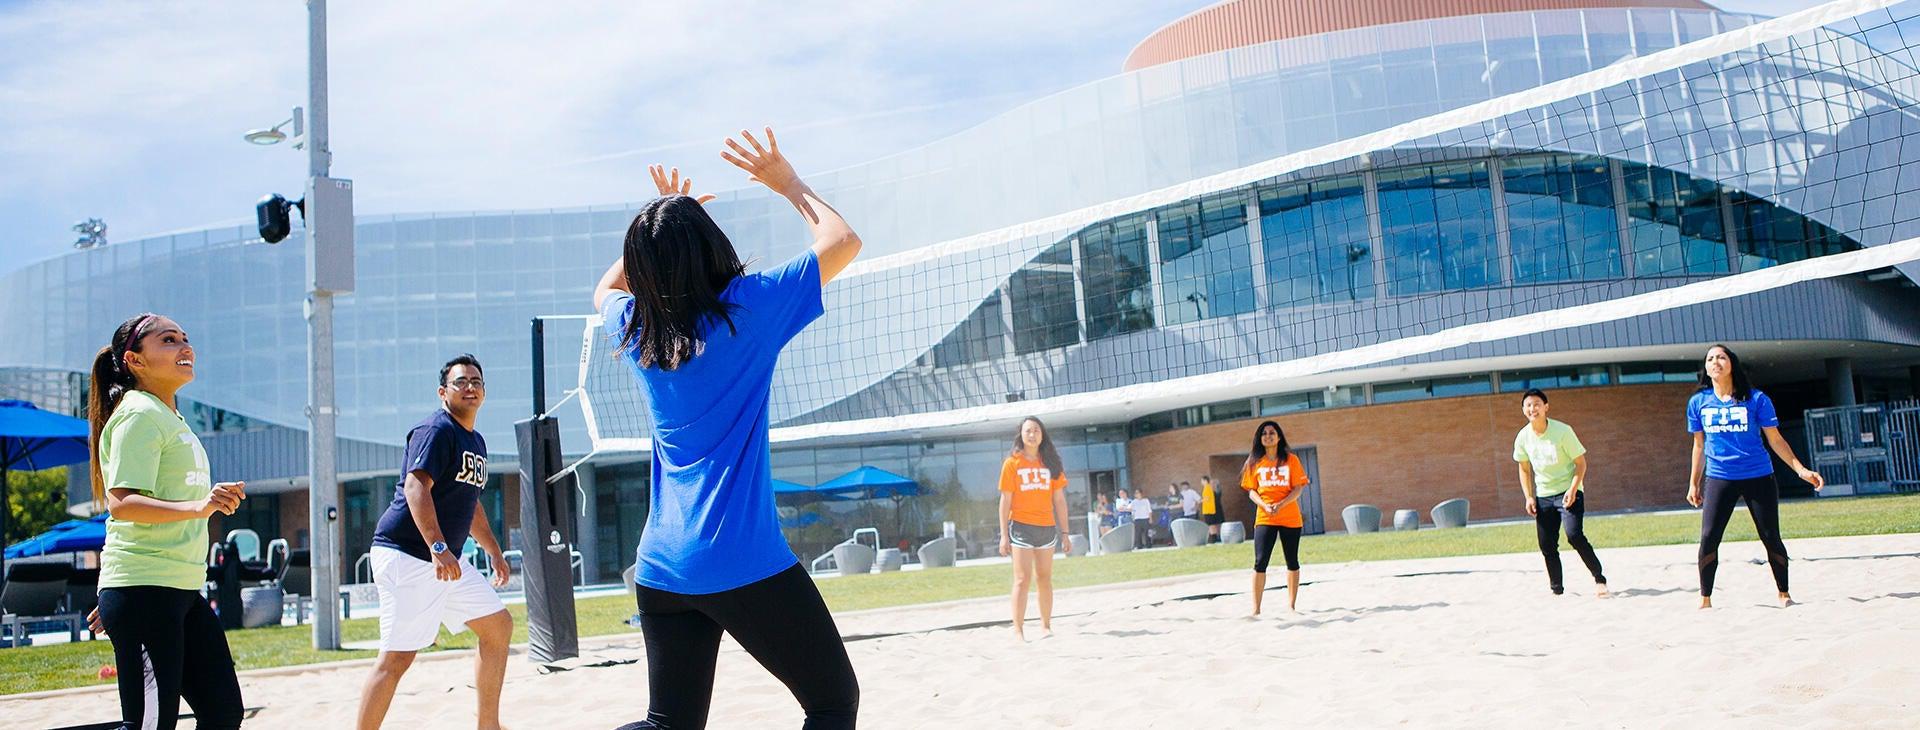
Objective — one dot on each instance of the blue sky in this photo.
(133, 112)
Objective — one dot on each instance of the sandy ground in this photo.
(1452, 642)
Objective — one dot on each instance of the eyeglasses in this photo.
(467, 384)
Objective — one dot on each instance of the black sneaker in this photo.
(1557, 590)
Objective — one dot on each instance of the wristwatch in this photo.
(438, 548)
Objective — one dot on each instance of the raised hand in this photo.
(670, 183)
(225, 498)
(764, 164)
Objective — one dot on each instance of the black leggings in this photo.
(781, 621)
(168, 646)
(1549, 518)
(1763, 504)
(1263, 536)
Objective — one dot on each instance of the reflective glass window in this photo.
(1437, 222)
(1274, 405)
(1658, 372)
(1116, 277)
(1519, 381)
(1769, 234)
(1043, 310)
(980, 337)
(1206, 266)
(1560, 218)
(1675, 222)
(1315, 240)
(1229, 410)
(1461, 385)
(1401, 391)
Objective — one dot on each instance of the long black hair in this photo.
(677, 262)
(107, 384)
(1742, 387)
(1049, 455)
(1259, 451)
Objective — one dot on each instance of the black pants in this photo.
(1716, 508)
(781, 621)
(1142, 535)
(1549, 518)
(168, 646)
(1263, 537)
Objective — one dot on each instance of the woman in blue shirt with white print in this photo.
(702, 335)
(1733, 424)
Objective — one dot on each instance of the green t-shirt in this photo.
(1551, 455)
(147, 447)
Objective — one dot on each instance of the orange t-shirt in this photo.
(1276, 483)
(1032, 485)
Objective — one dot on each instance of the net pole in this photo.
(539, 362)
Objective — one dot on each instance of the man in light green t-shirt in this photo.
(1553, 474)
(146, 447)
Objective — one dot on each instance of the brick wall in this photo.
(1414, 455)
(293, 517)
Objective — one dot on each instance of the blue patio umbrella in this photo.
(798, 494)
(71, 536)
(32, 439)
(869, 482)
(872, 482)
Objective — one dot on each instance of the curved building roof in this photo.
(1237, 23)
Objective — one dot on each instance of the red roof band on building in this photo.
(1237, 23)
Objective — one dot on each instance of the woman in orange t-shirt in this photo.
(1033, 519)
(1274, 480)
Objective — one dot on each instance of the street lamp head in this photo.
(266, 136)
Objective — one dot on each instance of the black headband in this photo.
(120, 353)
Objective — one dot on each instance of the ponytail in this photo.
(107, 384)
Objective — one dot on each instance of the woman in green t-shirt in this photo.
(151, 471)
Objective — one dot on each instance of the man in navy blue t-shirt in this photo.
(423, 583)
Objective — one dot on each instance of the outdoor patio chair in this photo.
(1451, 513)
(1361, 518)
(937, 553)
(1118, 539)
(1188, 532)
(34, 593)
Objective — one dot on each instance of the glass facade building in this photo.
(1636, 188)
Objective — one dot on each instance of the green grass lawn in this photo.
(71, 665)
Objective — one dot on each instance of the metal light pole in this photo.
(329, 216)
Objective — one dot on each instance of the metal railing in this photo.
(1872, 448)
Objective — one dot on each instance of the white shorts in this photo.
(414, 604)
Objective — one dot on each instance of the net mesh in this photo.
(1708, 174)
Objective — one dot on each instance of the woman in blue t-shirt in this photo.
(1733, 424)
(701, 336)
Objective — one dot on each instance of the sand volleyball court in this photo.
(1452, 642)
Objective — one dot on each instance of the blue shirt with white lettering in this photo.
(456, 460)
(712, 525)
(1735, 446)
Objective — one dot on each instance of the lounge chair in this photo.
(1406, 519)
(1118, 539)
(1233, 532)
(35, 593)
(1188, 532)
(1361, 518)
(937, 553)
(1451, 513)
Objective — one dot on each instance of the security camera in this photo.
(274, 221)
